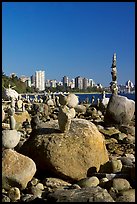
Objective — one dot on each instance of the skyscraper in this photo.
(79, 82)
(40, 80)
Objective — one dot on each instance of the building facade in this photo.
(40, 80)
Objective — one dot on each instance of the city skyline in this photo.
(67, 38)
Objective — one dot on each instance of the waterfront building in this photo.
(32, 80)
(91, 82)
(79, 82)
(85, 83)
(40, 80)
(72, 84)
(28, 82)
(53, 83)
(65, 81)
(23, 78)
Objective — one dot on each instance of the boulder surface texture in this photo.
(68, 155)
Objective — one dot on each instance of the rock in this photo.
(62, 99)
(120, 184)
(127, 129)
(55, 183)
(88, 182)
(64, 118)
(10, 93)
(14, 194)
(20, 117)
(72, 100)
(126, 196)
(17, 169)
(126, 161)
(50, 103)
(5, 198)
(68, 155)
(3, 114)
(36, 191)
(88, 194)
(80, 109)
(109, 132)
(120, 110)
(10, 138)
(12, 122)
(19, 104)
(112, 166)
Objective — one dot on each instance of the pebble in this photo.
(5, 198)
(88, 182)
(14, 194)
(120, 184)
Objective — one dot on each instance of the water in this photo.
(83, 97)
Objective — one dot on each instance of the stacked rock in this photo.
(66, 111)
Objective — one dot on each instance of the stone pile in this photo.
(72, 156)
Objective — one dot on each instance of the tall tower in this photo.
(113, 84)
(40, 80)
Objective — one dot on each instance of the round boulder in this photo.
(67, 155)
(10, 138)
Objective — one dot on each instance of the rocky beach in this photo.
(55, 149)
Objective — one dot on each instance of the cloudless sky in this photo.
(67, 38)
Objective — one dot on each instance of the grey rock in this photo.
(120, 184)
(126, 196)
(88, 182)
(88, 194)
(120, 110)
(10, 138)
(5, 198)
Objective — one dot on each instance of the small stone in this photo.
(5, 198)
(14, 194)
(88, 182)
(126, 196)
(120, 184)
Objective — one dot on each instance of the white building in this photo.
(40, 80)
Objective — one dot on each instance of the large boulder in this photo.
(120, 110)
(67, 155)
(17, 169)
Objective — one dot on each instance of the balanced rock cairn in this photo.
(113, 84)
(66, 111)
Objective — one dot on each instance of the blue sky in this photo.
(67, 38)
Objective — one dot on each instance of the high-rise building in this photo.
(79, 82)
(40, 80)
(85, 83)
(65, 81)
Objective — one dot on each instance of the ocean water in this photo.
(83, 97)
